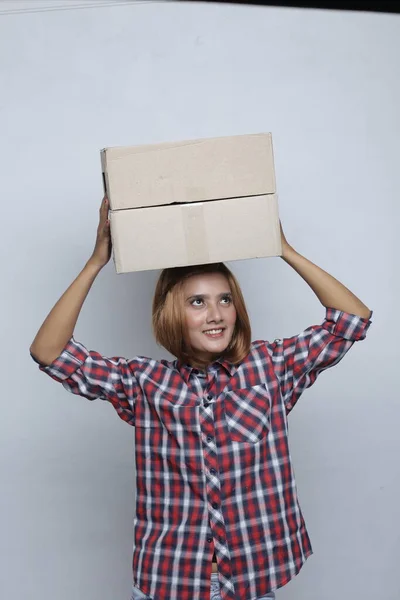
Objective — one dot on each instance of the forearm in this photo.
(59, 325)
(330, 292)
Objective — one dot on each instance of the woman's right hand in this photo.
(102, 250)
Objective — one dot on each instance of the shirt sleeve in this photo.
(93, 376)
(299, 360)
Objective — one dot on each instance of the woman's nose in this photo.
(214, 313)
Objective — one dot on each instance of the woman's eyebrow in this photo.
(201, 296)
(197, 297)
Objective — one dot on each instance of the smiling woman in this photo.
(213, 468)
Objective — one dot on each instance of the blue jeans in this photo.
(214, 595)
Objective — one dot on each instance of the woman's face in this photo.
(210, 313)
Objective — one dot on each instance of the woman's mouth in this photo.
(214, 333)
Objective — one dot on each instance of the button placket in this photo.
(217, 532)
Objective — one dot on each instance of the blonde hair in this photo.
(168, 314)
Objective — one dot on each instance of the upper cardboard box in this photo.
(188, 171)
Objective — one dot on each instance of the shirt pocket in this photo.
(173, 418)
(247, 413)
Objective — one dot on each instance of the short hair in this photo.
(168, 315)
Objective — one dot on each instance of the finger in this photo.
(104, 211)
(104, 204)
(105, 228)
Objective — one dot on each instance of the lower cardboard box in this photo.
(197, 233)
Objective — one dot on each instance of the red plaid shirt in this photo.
(213, 468)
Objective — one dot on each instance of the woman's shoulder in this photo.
(154, 363)
(264, 344)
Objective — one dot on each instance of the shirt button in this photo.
(205, 404)
(213, 471)
(209, 397)
(215, 505)
(209, 438)
(209, 539)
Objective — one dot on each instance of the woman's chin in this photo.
(215, 347)
(208, 348)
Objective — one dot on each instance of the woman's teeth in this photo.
(213, 331)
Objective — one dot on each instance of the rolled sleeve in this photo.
(299, 360)
(91, 375)
(71, 358)
(345, 325)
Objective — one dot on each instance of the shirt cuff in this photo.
(71, 358)
(346, 325)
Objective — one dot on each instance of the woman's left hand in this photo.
(285, 245)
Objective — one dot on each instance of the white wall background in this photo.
(73, 81)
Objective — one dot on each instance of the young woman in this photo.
(217, 514)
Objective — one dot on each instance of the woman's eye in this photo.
(197, 302)
(226, 299)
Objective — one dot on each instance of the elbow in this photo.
(32, 351)
(43, 359)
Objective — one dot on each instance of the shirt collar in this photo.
(186, 370)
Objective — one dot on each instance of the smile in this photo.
(214, 332)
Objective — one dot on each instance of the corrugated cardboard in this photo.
(188, 171)
(195, 233)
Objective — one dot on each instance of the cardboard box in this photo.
(195, 233)
(188, 171)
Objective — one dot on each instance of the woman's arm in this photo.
(330, 292)
(59, 325)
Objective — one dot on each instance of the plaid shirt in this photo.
(213, 468)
